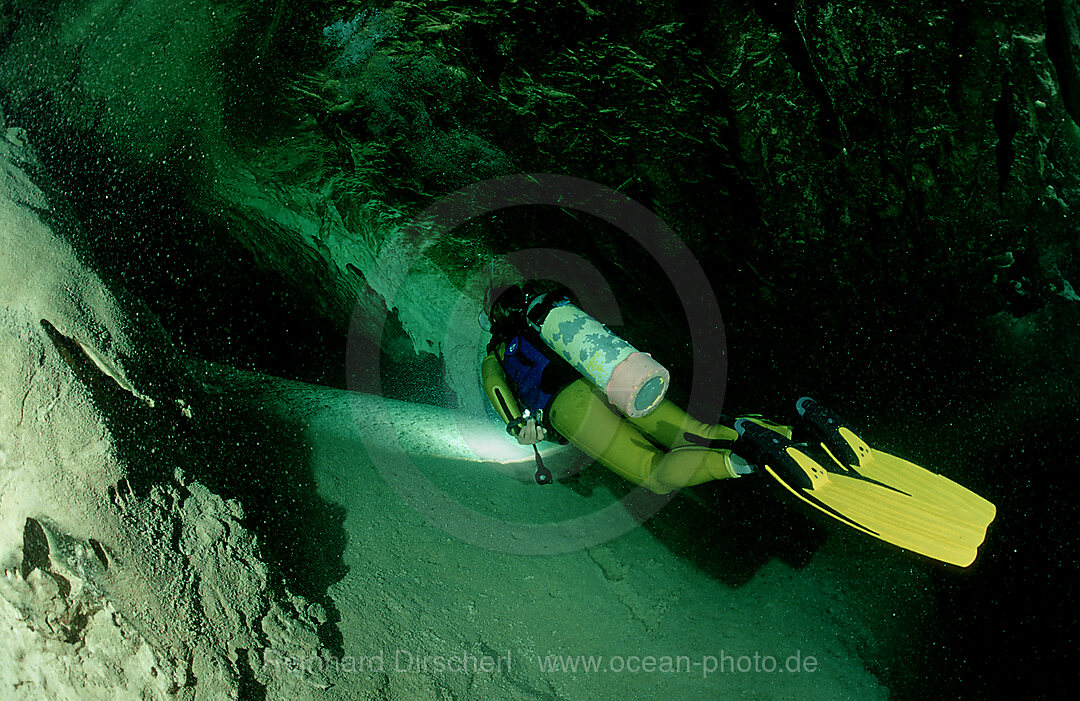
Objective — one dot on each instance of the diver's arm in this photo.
(524, 428)
(498, 391)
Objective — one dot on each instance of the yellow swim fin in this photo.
(914, 511)
(852, 453)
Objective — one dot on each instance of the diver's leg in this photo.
(581, 413)
(690, 465)
(669, 424)
(673, 428)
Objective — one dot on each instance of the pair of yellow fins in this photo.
(879, 494)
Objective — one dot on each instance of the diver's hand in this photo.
(531, 433)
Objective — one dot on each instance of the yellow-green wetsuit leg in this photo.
(582, 414)
(667, 424)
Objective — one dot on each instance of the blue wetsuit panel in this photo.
(524, 366)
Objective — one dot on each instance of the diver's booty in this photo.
(846, 448)
(770, 449)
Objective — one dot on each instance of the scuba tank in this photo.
(632, 380)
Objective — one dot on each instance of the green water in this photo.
(879, 199)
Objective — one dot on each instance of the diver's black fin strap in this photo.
(767, 448)
(824, 425)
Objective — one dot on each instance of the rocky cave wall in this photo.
(839, 168)
(123, 574)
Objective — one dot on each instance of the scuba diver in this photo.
(552, 372)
